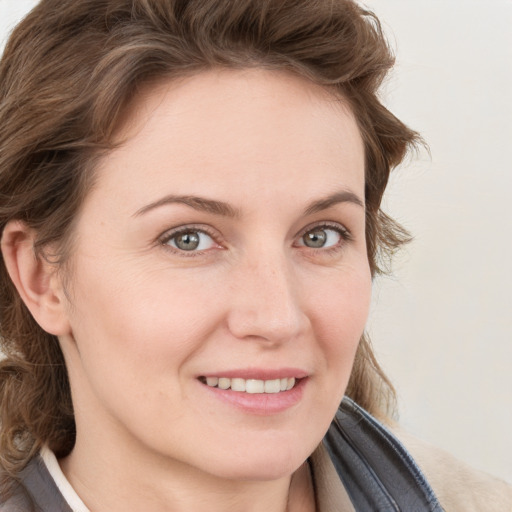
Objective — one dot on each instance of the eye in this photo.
(189, 240)
(323, 237)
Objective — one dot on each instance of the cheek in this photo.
(340, 314)
(343, 302)
(132, 345)
(143, 321)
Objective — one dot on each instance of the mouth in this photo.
(252, 386)
(257, 391)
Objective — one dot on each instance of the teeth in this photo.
(251, 385)
(238, 384)
(212, 381)
(224, 383)
(254, 386)
(273, 386)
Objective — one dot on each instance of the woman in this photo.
(190, 224)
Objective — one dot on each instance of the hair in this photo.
(68, 72)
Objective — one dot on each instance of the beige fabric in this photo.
(458, 487)
(330, 495)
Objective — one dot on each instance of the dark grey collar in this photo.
(36, 492)
(375, 468)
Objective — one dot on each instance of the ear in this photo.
(36, 280)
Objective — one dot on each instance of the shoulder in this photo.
(376, 470)
(458, 486)
(34, 491)
(380, 463)
(18, 500)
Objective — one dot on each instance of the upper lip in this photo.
(259, 373)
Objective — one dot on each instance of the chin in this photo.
(259, 471)
(261, 464)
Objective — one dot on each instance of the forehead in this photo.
(245, 127)
(225, 88)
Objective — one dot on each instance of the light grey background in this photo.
(442, 325)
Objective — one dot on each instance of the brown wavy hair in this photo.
(67, 74)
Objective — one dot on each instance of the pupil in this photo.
(315, 238)
(188, 241)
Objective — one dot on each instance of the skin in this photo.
(140, 319)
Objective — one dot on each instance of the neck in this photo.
(113, 482)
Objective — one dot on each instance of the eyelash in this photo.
(164, 239)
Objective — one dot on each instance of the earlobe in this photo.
(36, 280)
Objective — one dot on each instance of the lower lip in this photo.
(263, 404)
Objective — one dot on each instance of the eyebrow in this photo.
(224, 209)
(343, 196)
(197, 203)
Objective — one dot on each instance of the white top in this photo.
(68, 493)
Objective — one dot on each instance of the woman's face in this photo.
(223, 244)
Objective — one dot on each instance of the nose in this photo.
(266, 303)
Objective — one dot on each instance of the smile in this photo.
(250, 385)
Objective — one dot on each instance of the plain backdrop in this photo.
(442, 324)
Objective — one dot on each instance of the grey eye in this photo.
(315, 238)
(191, 241)
(319, 238)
